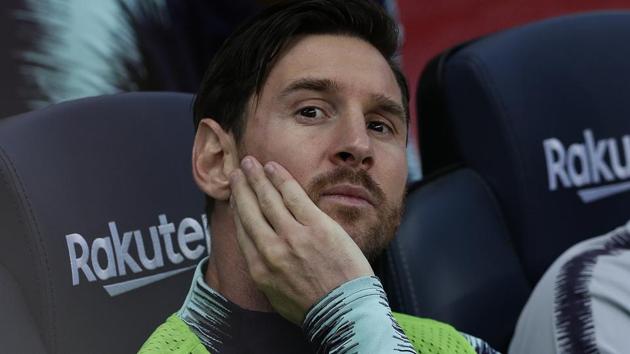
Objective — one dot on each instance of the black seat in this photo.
(453, 259)
(540, 116)
(100, 222)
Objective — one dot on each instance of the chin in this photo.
(364, 230)
(370, 230)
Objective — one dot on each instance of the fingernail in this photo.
(247, 163)
(270, 168)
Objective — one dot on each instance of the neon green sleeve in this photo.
(429, 336)
(173, 337)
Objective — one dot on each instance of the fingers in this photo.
(269, 199)
(249, 213)
(295, 198)
(248, 248)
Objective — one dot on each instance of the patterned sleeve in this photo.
(480, 346)
(355, 317)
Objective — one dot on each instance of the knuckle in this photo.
(275, 256)
(285, 187)
(265, 201)
(247, 220)
(293, 200)
(258, 273)
(274, 253)
(283, 183)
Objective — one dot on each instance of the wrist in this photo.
(341, 317)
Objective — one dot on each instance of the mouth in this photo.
(348, 194)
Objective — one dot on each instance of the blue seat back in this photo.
(100, 221)
(542, 114)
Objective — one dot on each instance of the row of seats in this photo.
(524, 136)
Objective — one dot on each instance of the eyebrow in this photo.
(390, 106)
(310, 84)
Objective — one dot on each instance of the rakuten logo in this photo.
(590, 163)
(109, 257)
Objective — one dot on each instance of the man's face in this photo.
(331, 113)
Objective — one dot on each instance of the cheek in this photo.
(295, 152)
(299, 159)
(394, 172)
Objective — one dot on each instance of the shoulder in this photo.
(562, 312)
(609, 297)
(173, 337)
(432, 336)
(588, 279)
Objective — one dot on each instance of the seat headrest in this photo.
(98, 215)
(542, 113)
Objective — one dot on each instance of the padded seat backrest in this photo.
(100, 221)
(453, 261)
(542, 114)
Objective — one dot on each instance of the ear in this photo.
(214, 157)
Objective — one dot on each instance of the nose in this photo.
(353, 145)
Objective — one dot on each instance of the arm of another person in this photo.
(610, 301)
(582, 303)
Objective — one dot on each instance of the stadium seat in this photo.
(453, 260)
(535, 122)
(100, 222)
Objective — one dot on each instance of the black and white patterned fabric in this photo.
(582, 303)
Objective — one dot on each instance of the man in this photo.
(582, 303)
(301, 134)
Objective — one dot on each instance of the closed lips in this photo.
(349, 191)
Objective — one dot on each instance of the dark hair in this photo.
(240, 67)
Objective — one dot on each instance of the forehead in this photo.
(352, 63)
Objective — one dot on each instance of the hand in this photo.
(295, 252)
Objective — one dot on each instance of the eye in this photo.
(380, 127)
(310, 112)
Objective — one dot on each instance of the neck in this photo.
(227, 270)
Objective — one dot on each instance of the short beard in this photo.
(373, 238)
